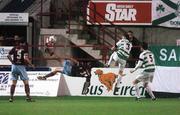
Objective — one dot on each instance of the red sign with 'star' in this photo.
(119, 12)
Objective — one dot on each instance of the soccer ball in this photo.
(49, 45)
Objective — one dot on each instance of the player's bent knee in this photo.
(26, 82)
(135, 82)
(145, 85)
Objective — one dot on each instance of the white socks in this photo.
(137, 91)
(118, 81)
(110, 59)
(148, 89)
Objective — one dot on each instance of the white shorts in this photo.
(18, 70)
(121, 62)
(145, 77)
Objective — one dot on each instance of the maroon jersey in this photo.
(18, 55)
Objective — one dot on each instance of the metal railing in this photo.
(104, 30)
(3, 3)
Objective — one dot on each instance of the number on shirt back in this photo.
(150, 58)
(19, 54)
(128, 46)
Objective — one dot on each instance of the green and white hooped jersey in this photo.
(148, 61)
(123, 48)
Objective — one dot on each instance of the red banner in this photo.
(119, 12)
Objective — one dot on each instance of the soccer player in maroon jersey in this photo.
(18, 56)
(50, 45)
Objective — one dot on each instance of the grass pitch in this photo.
(89, 106)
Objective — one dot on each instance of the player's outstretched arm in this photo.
(10, 58)
(139, 64)
(26, 58)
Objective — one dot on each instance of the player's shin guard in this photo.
(12, 89)
(137, 91)
(27, 90)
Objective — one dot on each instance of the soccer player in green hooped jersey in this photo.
(120, 55)
(146, 60)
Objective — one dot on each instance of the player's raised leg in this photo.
(110, 59)
(122, 64)
(50, 74)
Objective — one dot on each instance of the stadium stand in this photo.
(17, 5)
(3, 3)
